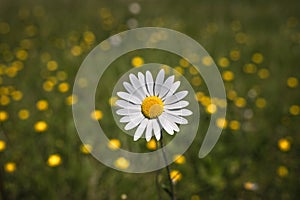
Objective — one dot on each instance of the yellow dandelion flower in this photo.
(89, 37)
(257, 58)
(207, 61)
(48, 86)
(76, 50)
(54, 160)
(282, 171)
(193, 70)
(86, 148)
(211, 108)
(292, 82)
(23, 114)
(4, 100)
(151, 144)
(223, 62)
(240, 102)
(10, 167)
(52, 65)
(2, 145)
(234, 125)
(17, 65)
(205, 101)
(72, 99)
(40, 126)
(97, 115)
(263, 73)
(3, 116)
(22, 54)
(241, 38)
(179, 70)
(284, 144)
(260, 103)
(63, 87)
(114, 144)
(196, 81)
(61, 75)
(17, 95)
(221, 122)
(11, 71)
(122, 163)
(179, 159)
(228, 75)
(249, 68)
(183, 62)
(112, 101)
(175, 176)
(199, 96)
(42, 105)
(231, 95)
(295, 110)
(137, 61)
(235, 55)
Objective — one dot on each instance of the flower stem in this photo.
(171, 192)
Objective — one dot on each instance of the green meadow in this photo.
(256, 46)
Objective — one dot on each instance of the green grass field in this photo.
(255, 44)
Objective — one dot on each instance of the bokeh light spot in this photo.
(97, 115)
(292, 82)
(2, 145)
(23, 114)
(122, 163)
(3, 116)
(10, 167)
(137, 61)
(54, 160)
(40, 126)
(234, 125)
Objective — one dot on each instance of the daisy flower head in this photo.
(151, 104)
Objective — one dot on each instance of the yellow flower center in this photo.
(152, 107)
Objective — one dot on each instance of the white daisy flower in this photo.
(152, 105)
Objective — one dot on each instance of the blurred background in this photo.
(255, 44)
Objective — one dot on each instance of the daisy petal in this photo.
(182, 112)
(156, 129)
(176, 97)
(164, 123)
(142, 81)
(139, 131)
(178, 105)
(149, 131)
(159, 81)
(166, 86)
(125, 111)
(138, 91)
(170, 123)
(128, 87)
(129, 97)
(173, 89)
(126, 104)
(176, 119)
(134, 122)
(125, 119)
(149, 82)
